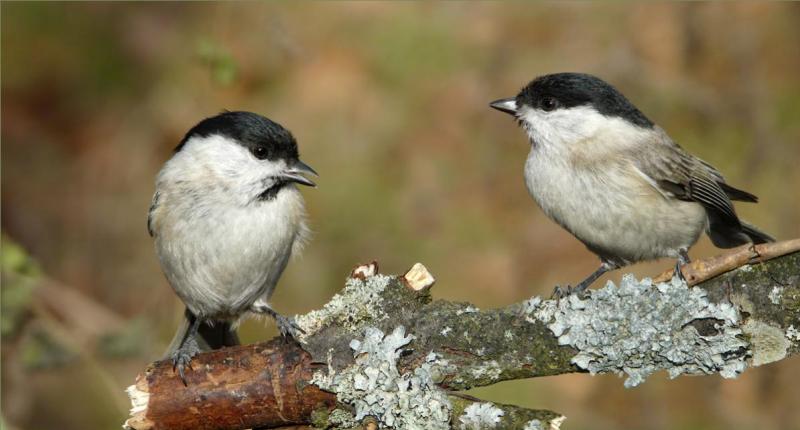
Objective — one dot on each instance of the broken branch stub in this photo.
(418, 277)
(248, 386)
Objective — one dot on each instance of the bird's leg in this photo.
(286, 325)
(182, 357)
(605, 266)
(683, 259)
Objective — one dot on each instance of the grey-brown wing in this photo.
(732, 192)
(683, 176)
(153, 206)
(680, 175)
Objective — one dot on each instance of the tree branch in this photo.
(382, 350)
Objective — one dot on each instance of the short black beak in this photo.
(296, 171)
(508, 105)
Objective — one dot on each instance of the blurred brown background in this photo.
(389, 104)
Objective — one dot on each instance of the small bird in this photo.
(607, 174)
(226, 217)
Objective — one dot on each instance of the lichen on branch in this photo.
(639, 327)
(373, 386)
(382, 350)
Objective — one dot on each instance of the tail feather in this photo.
(210, 337)
(728, 233)
(737, 194)
(756, 235)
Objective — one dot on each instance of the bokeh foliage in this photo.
(389, 104)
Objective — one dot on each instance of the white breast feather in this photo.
(220, 248)
(597, 194)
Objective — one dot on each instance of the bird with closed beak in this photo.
(226, 217)
(615, 180)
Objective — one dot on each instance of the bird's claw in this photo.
(182, 357)
(287, 326)
(559, 292)
(563, 292)
(679, 272)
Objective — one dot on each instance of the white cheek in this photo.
(539, 129)
(563, 125)
(219, 161)
(564, 130)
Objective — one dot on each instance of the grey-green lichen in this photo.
(467, 310)
(767, 342)
(533, 425)
(373, 386)
(469, 413)
(479, 416)
(360, 301)
(538, 309)
(340, 418)
(746, 268)
(775, 295)
(489, 370)
(793, 334)
(641, 327)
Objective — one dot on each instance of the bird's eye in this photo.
(549, 103)
(260, 152)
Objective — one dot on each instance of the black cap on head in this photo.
(566, 90)
(249, 130)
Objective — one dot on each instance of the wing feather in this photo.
(150, 213)
(710, 194)
(682, 176)
(685, 177)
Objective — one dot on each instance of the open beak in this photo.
(508, 105)
(295, 174)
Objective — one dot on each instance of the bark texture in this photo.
(442, 345)
(249, 386)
